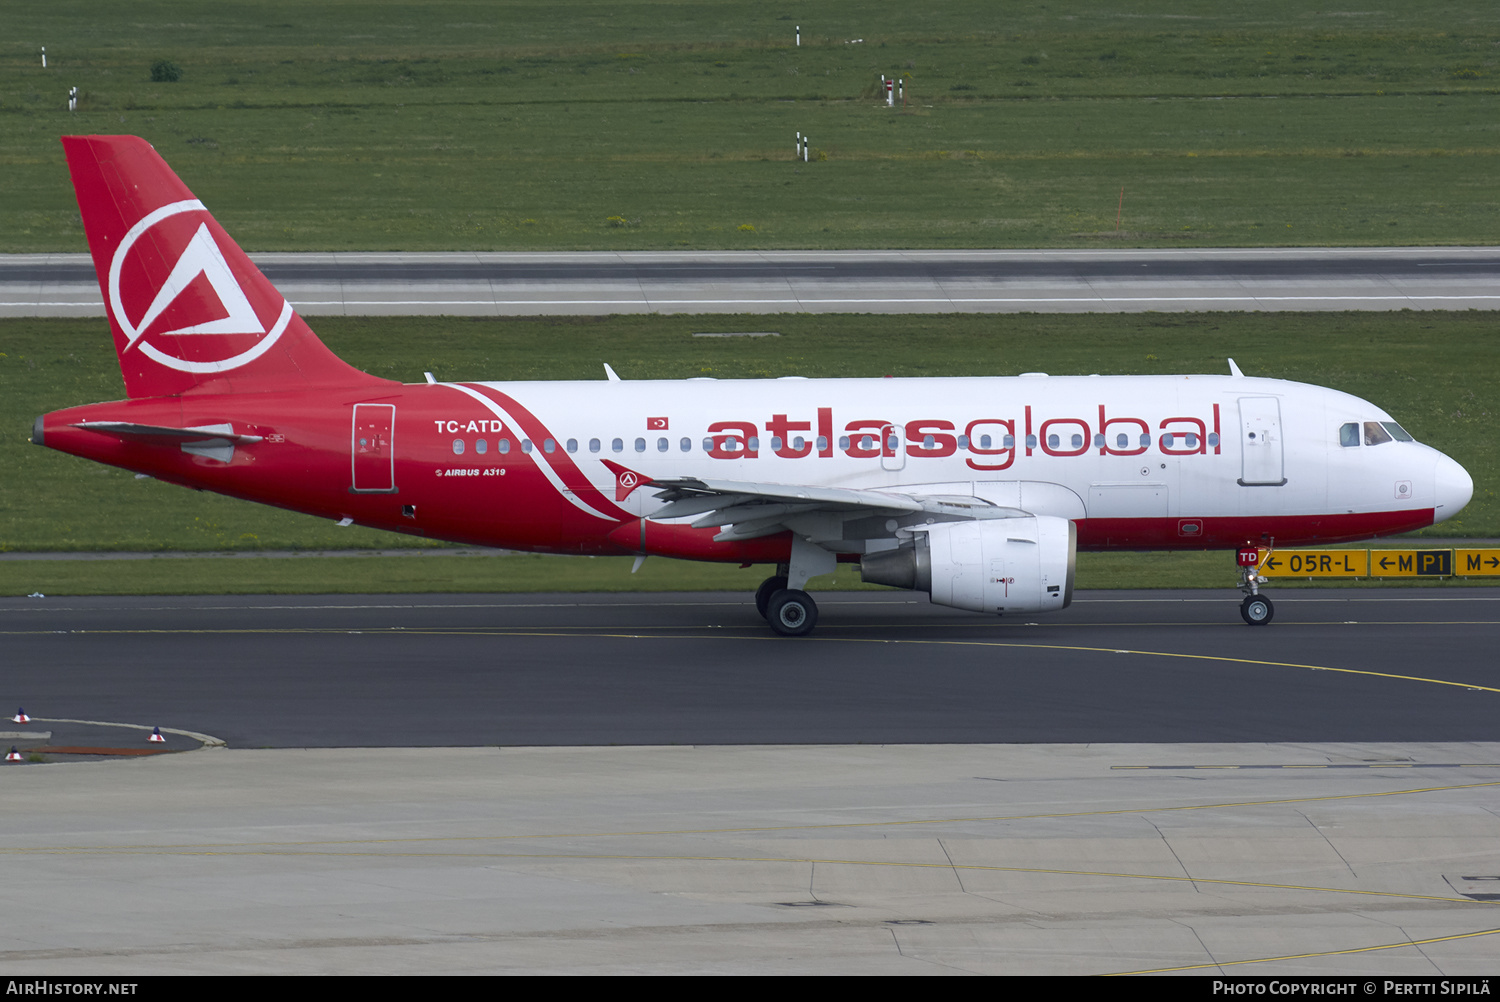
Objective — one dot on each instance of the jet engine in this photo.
(992, 565)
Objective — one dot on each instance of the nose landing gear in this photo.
(1256, 609)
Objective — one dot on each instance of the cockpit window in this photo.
(1399, 433)
(1349, 435)
(1375, 433)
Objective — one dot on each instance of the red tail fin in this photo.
(187, 307)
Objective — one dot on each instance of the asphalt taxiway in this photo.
(702, 668)
(655, 783)
(921, 281)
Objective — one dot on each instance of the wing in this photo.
(837, 518)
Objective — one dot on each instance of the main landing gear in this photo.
(788, 609)
(1256, 609)
(791, 612)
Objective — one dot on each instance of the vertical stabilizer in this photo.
(187, 307)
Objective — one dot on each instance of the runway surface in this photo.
(923, 281)
(653, 669)
(1317, 797)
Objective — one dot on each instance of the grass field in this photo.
(412, 126)
(1436, 372)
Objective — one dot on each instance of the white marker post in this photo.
(73, 99)
(890, 93)
(799, 35)
(44, 57)
(798, 154)
(805, 144)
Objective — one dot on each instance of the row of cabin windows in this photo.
(732, 443)
(1375, 433)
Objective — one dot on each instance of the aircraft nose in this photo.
(1454, 488)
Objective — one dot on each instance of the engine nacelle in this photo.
(992, 565)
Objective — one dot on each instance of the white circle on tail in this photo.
(231, 340)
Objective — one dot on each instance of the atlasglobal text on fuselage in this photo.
(977, 490)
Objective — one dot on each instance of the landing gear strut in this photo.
(1256, 609)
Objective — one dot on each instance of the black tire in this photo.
(768, 587)
(792, 613)
(1257, 610)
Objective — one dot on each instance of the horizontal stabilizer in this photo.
(155, 434)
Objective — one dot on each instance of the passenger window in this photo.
(1145, 441)
(572, 445)
(928, 442)
(1031, 441)
(708, 445)
(1077, 441)
(640, 445)
(1213, 439)
(1349, 435)
(963, 441)
(504, 446)
(526, 445)
(1010, 442)
(843, 441)
(1167, 440)
(1122, 440)
(481, 446)
(1192, 440)
(984, 441)
(617, 445)
(458, 447)
(686, 445)
(754, 443)
(549, 445)
(798, 443)
(1375, 434)
(1052, 441)
(775, 443)
(593, 445)
(661, 445)
(822, 443)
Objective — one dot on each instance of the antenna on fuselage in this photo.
(1234, 370)
(613, 376)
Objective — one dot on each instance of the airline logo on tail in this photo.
(177, 300)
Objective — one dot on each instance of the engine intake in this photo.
(993, 565)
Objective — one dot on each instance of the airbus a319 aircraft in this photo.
(977, 491)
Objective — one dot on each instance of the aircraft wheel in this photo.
(792, 613)
(1257, 610)
(768, 587)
